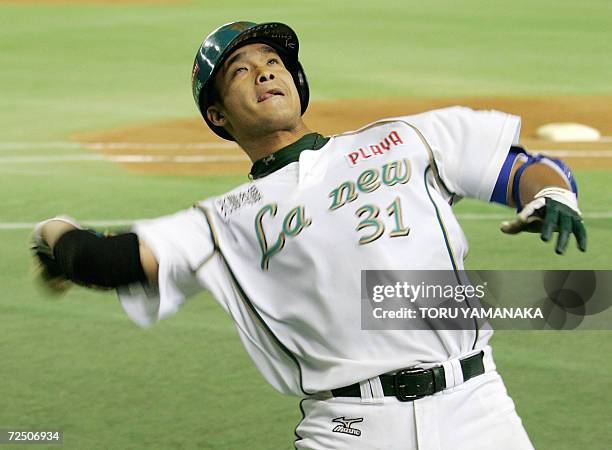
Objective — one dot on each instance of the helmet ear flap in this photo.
(301, 83)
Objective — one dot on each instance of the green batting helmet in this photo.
(219, 44)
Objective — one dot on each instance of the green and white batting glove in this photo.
(552, 209)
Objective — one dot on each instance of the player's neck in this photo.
(260, 147)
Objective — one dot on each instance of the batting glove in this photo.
(552, 209)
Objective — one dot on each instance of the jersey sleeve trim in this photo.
(500, 191)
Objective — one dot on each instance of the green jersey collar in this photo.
(287, 155)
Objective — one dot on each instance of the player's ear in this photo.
(216, 116)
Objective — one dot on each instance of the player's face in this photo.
(257, 91)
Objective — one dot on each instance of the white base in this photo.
(568, 132)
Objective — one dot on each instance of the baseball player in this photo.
(283, 253)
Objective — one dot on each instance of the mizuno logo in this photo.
(346, 424)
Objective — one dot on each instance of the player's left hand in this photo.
(552, 209)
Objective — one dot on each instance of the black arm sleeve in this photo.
(89, 259)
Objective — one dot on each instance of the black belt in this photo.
(411, 384)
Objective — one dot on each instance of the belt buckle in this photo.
(400, 388)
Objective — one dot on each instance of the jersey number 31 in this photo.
(369, 220)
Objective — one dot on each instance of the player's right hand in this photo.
(48, 274)
(47, 271)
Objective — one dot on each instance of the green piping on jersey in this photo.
(448, 247)
(299, 438)
(213, 237)
(434, 168)
(434, 165)
(247, 301)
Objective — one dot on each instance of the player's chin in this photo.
(278, 121)
(279, 113)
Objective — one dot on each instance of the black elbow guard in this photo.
(90, 259)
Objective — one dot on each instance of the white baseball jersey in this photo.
(283, 254)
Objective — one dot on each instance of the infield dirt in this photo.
(329, 117)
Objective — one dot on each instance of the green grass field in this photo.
(78, 364)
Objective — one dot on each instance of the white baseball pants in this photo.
(475, 415)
